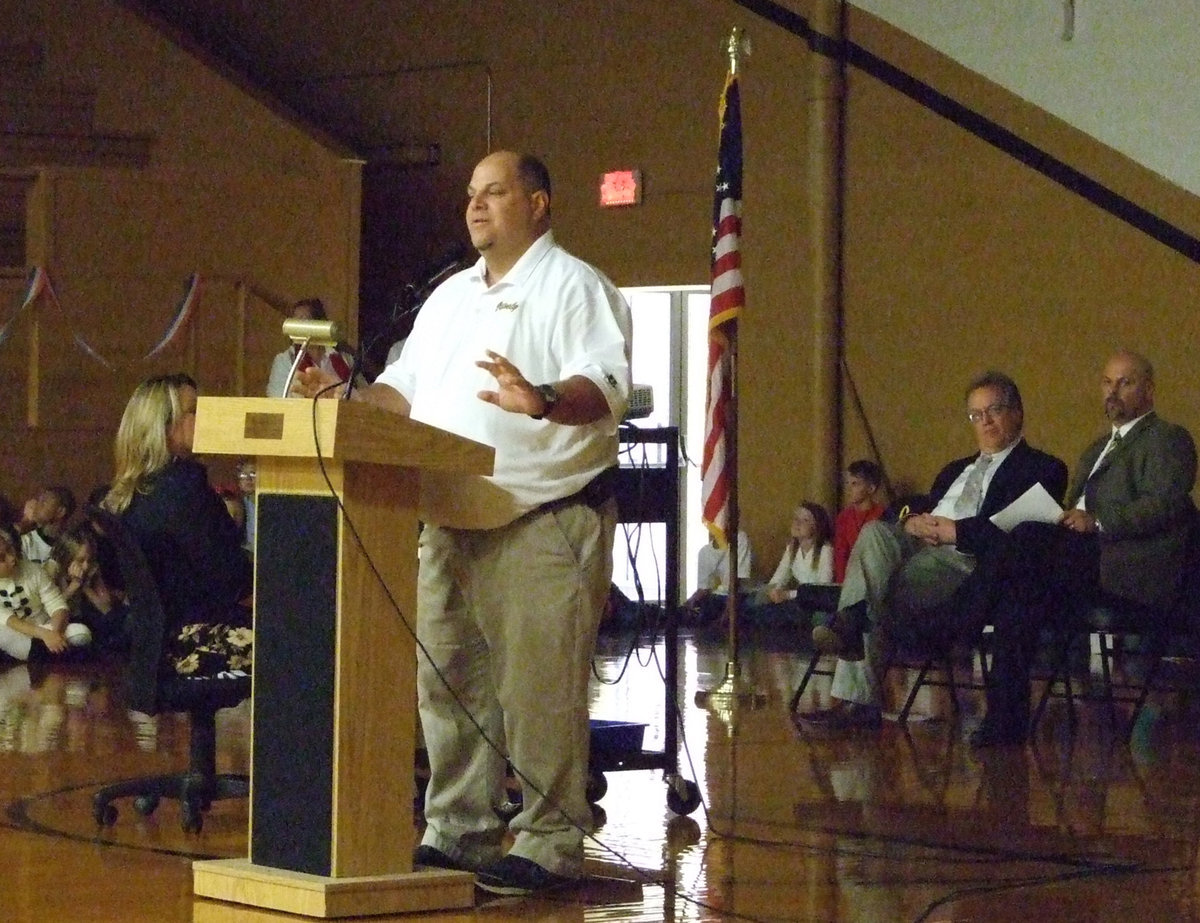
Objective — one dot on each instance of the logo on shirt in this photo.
(17, 601)
(611, 379)
(507, 306)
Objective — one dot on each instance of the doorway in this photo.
(670, 354)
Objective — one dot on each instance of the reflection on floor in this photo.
(902, 824)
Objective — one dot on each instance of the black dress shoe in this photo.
(842, 635)
(995, 734)
(514, 876)
(432, 857)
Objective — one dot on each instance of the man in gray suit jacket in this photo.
(1123, 535)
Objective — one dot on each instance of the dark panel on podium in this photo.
(294, 639)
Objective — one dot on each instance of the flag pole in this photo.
(734, 50)
(732, 689)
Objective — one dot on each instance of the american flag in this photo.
(727, 297)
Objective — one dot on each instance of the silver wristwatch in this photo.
(550, 398)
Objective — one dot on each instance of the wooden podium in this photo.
(334, 702)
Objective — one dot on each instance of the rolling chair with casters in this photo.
(151, 689)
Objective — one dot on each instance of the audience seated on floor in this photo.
(863, 481)
(34, 619)
(74, 566)
(807, 560)
(44, 518)
(710, 600)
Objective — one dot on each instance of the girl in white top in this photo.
(808, 557)
(34, 618)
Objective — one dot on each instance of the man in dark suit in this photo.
(1123, 535)
(901, 573)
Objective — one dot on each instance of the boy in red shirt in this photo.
(863, 480)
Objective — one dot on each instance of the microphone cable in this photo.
(642, 877)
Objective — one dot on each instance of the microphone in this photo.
(413, 295)
(355, 366)
(447, 264)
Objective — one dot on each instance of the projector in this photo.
(641, 402)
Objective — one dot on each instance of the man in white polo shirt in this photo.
(527, 351)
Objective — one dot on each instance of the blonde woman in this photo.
(193, 547)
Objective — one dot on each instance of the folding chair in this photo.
(817, 597)
(1159, 631)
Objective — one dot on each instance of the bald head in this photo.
(508, 208)
(1127, 386)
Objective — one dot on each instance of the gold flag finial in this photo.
(737, 45)
(733, 48)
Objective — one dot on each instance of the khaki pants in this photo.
(507, 621)
(899, 577)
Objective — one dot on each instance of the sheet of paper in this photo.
(1035, 504)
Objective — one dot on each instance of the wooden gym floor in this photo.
(904, 824)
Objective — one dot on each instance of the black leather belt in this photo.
(595, 493)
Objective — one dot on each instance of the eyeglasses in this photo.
(991, 411)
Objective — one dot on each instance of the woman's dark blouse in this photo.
(193, 547)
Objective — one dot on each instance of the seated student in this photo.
(708, 603)
(807, 559)
(334, 361)
(34, 619)
(75, 569)
(863, 481)
(43, 519)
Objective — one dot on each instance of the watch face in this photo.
(549, 398)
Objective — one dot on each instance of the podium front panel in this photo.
(295, 631)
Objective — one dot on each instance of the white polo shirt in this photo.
(553, 316)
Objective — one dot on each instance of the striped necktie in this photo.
(971, 498)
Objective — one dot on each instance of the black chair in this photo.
(814, 668)
(935, 647)
(937, 669)
(933, 668)
(151, 689)
(1124, 632)
(1130, 632)
(933, 658)
(817, 598)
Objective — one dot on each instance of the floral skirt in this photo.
(210, 649)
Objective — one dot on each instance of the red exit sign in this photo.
(621, 187)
